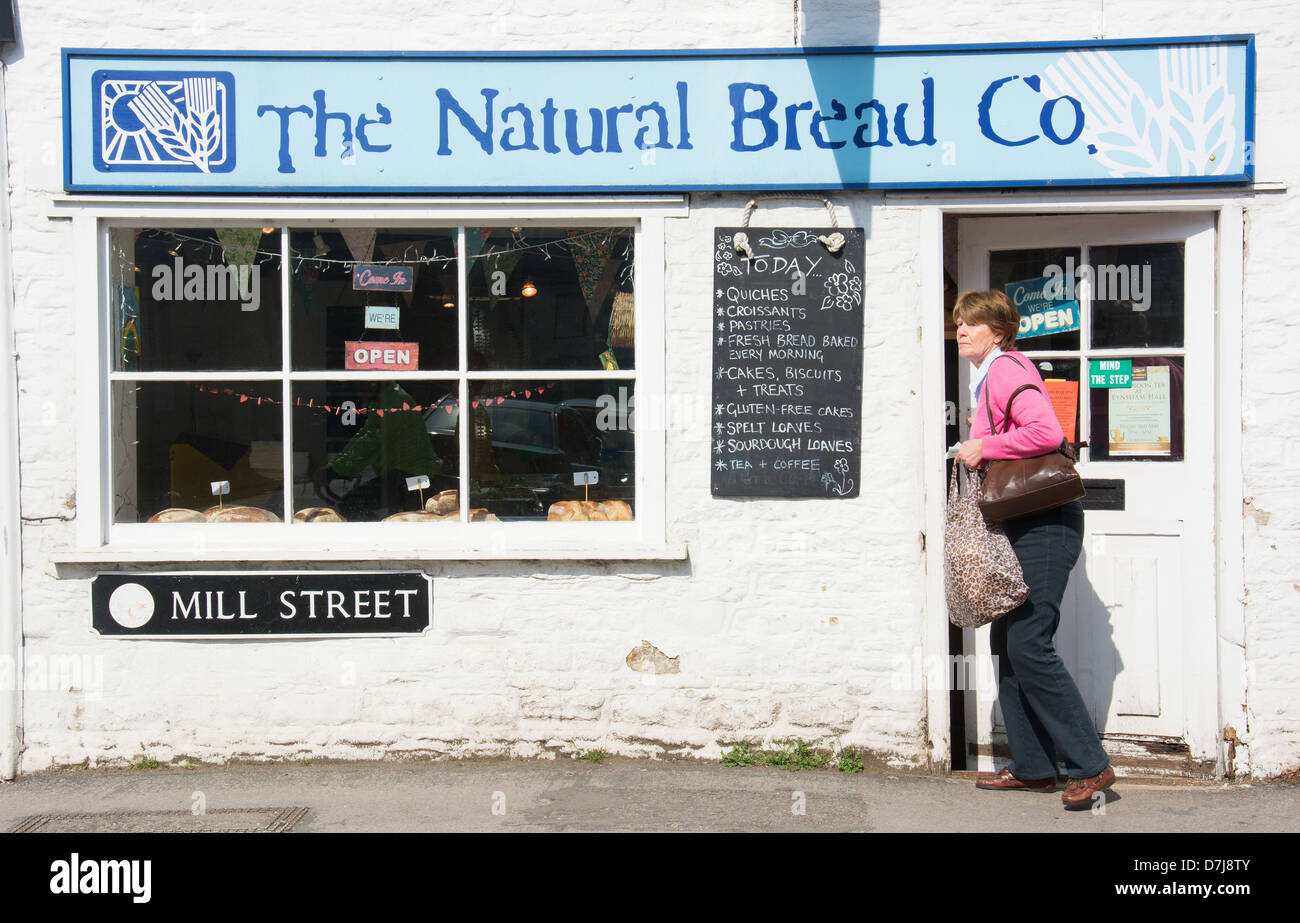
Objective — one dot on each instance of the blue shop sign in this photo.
(1085, 113)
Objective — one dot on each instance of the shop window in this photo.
(309, 372)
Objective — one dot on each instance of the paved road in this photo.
(639, 795)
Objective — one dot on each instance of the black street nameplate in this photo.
(260, 604)
(787, 325)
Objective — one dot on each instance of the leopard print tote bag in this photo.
(981, 575)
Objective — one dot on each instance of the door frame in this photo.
(1218, 643)
(1185, 649)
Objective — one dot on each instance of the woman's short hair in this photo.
(989, 307)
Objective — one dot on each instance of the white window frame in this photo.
(99, 539)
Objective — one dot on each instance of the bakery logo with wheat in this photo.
(166, 122)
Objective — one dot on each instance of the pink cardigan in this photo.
(1034, 427)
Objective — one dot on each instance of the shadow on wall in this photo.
(840, 23)
(1095, 662)
(11, 51)
(837, 22)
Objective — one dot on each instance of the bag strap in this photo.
(988, 403)
(1006, 418)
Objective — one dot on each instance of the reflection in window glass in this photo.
(544, 301)
(1006, 266)
(172, 439)
(550, 298)
(330, 311)
(190, 299)
(1137, 295)
(1144, 422)
(528, 440)
(357, 442)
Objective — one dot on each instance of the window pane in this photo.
(1061, 376)
(1144, 422)
(529, 439)
(195, 299)
(329, 310)
(1011, 266)
(550, 298)
(357, 442)
(171, 440)
(1137, 295)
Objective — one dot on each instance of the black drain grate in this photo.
(221, 820)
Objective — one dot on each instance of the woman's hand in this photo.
(971, 453)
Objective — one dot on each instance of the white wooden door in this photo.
(1137, 626)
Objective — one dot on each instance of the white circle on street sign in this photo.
(131, 605)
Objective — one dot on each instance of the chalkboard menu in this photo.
(787, 363)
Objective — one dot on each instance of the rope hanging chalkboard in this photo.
(788, 317)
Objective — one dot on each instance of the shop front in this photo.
(448, 404)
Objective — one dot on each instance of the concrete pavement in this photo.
(619, 794)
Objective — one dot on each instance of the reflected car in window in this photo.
(536, 447)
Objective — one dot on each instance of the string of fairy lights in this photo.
(519, 244)
(448, 404)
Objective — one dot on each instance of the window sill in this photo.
(485, 549)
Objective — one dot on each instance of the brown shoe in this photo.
(1079, 793)
(1004, 781)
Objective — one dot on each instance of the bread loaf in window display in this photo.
(317, 514)
(589, 511)
(239, 514)
(177, 514)
(215, 514)
(442, 507)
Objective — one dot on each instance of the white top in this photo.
(981, 373)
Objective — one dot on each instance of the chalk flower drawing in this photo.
(843, 289)
(723, 257)
(844, 484)
(164, 122)
(1191, 130)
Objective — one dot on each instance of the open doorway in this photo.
(1134, 292)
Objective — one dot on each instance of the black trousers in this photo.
(1041, 704)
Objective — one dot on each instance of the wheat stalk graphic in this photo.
(1201, 113)
(193, 136)
(1187, 133)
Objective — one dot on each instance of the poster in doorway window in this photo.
(1139, 424)
(1064, 396)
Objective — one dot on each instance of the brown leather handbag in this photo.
(1021, 486)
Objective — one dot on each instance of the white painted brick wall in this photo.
(791, 619)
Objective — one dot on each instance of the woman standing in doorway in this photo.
(1041, 705)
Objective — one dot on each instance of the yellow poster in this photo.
(1139, 416)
